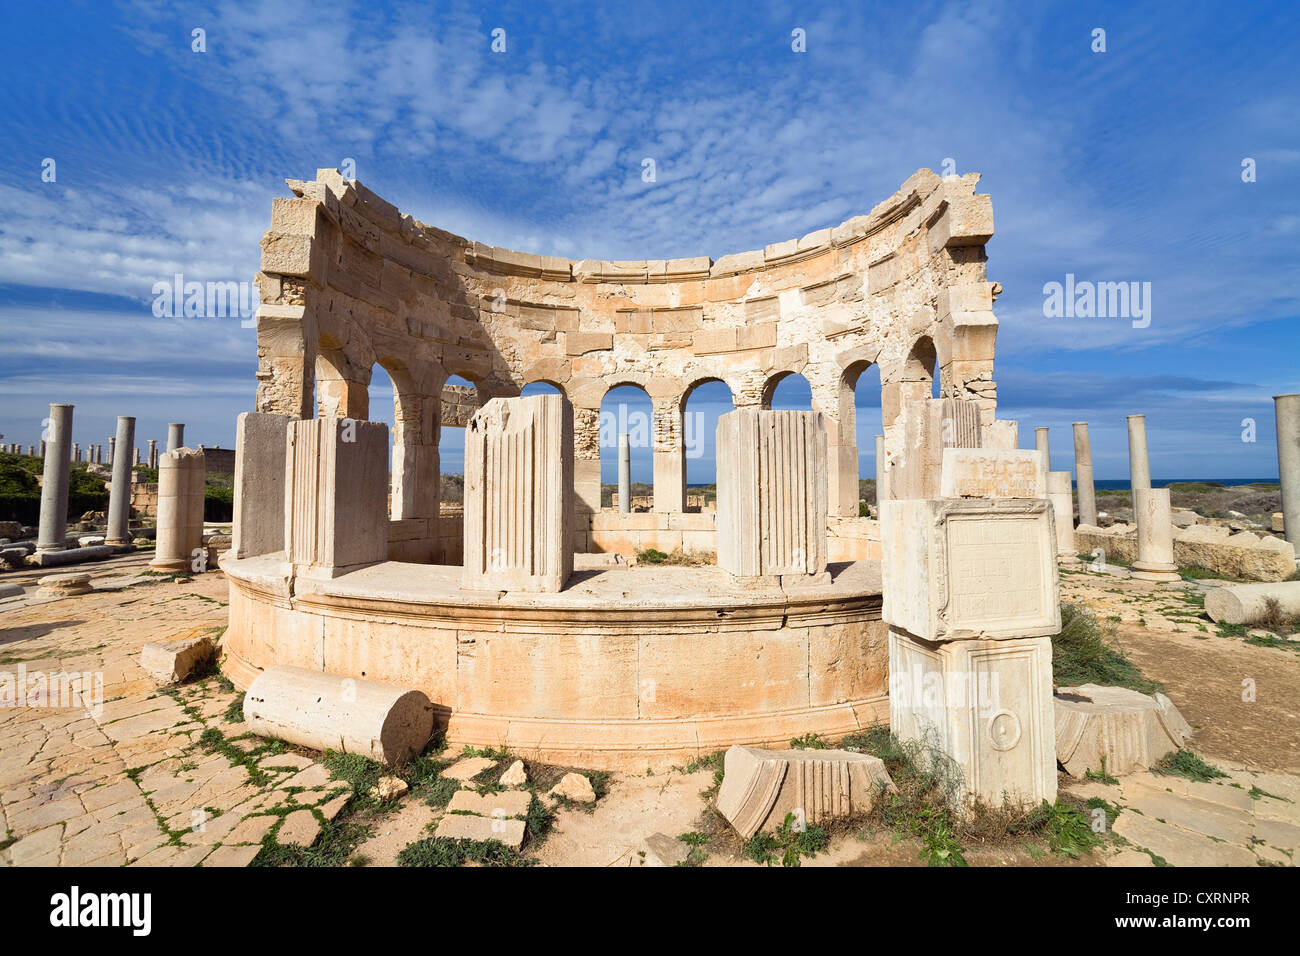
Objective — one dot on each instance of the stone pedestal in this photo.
(985, 704)
(1083, 474)
(119, 499)
(336, 495)
(180, 510)
(1059, 494)
(54, 484)
(175, 436)
(1155, 536)
(963, 569)
(260, 447)
(1287, 408)
(519, 495)
(772, 495)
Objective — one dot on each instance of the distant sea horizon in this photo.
(1123, 483)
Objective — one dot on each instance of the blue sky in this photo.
(1117, 166)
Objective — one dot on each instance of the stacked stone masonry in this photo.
(348, 282)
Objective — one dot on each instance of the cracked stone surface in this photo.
(116, 772)
(121, 777)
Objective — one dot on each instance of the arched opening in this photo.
(921, 366)
(789, 391)
(860, 417)
(383, 402)
(460, 399)
(627, 409)
(540, 388)
(702, 405)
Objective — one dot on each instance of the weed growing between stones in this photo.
(926, 806)
(787, 844)
(697, 854)
(713, 761)
(1085, 653)
(1184, 763)
(808, 742)
(441, 851)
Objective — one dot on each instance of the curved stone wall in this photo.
(624, 669)
(348, 282)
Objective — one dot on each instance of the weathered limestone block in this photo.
(1001, 434)
(1245, 603)
(659, 849)
(170, 662)
(328, 712)
(1241, 555)
(336, 504)
(519, 495)
(970, 568)
(993, 473)
(50, 559)
(260, 446)
(931, 427)
(467, 826)
(772, 496)
(759, 787)
(64, 585)
(181, 474)
(985, 704)
(1127, 730)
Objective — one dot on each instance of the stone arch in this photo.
(853, 441)
(776, 379)
(697, 434)
(639, 425)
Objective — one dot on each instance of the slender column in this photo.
(1288, 463)
(624, 474)
(175, 436)
(1040, 442)
(153, 453)
(99, 454)
(119, 498)
(1083, 474)
(1139, 466)
(76, 451)
(135, 456)
(1155, 528)
(1059, 494)
(42, 447)
(54, 485)
(112, 448)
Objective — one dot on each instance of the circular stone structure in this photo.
(627, 668)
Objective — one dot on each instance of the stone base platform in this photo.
(627, 668)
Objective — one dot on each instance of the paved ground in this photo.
(149, 777)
